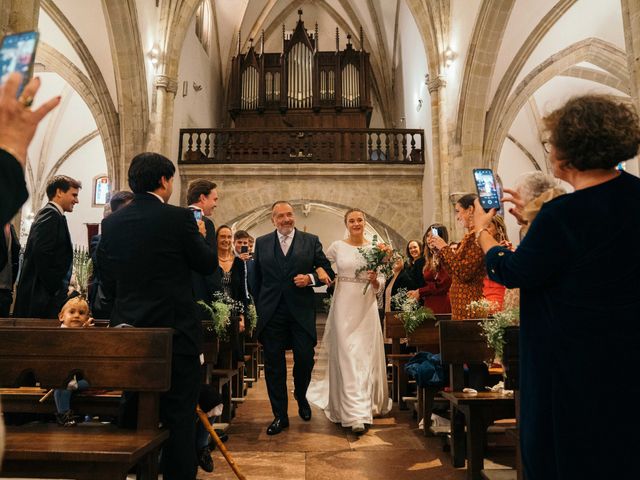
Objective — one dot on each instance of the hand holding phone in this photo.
(487, 190)
(197, 214)
(434, 232)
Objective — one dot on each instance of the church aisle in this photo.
(393, 448)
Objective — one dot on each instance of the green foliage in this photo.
(220, 311)
(252, 317)
(82, 268)
(326, 303)
(412, 314)
(493, 328)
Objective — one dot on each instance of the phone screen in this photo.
(434, 231)
(197, 214)
(244, 249)
(487, 190)
(17, 54)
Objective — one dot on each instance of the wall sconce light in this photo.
(449, 57)
(185, 88)
(154, 55)
(419, 106)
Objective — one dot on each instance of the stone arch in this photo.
(247, 220)
(54, 61)
(108, 121)
(602, 54)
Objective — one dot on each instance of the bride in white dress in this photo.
(354, 388)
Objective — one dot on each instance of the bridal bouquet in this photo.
(220, 310)
(411, 313)
(379, 258)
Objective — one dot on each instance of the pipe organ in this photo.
(301, 86)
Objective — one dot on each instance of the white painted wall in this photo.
(53, 36)
(148, 19)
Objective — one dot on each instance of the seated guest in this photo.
(579, 298)
(74, 314)
(435, 292)
(100, 306)
(48, 258)
(9, 262)
(465, 263)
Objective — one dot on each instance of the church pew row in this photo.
(136, 360)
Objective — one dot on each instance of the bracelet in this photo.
(484, 229)
(11, 152)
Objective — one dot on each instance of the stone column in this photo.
(631, 22)
(161, 121)
(441, 210)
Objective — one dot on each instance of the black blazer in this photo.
(146, 255)
(15, 252)
(274, 279)
(44, 279)
(13, 189)
(203, 285)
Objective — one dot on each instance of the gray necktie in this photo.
(285, 244)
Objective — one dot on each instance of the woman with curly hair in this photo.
(578, 274)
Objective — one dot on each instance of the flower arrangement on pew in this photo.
(379, 258)
(252, 317)
(82, 269)
(411, 313)
(220, 310)
(494, 323)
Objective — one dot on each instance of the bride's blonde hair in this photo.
(350, 211)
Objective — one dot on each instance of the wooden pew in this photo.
(461, 343)
(137, 360)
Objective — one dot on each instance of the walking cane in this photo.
(221, 447)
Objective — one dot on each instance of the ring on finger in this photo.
(26, 101)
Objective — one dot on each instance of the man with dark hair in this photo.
(9, 259)
(202, 197)
(146, 255)
(99, 304)
(48, 257)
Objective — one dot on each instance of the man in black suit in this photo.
(146, 255)
(9, 260)
(285, 264)
(202, 197)
(17, 126)
(48, 257)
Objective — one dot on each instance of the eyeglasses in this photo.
(546, 144)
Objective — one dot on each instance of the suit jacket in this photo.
(13, 189)
(274, 277)
(203, 285)
(48, 257)
(15, 252)
(146, 255)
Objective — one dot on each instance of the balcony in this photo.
(308, 145)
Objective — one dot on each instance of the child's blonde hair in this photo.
(79, 301)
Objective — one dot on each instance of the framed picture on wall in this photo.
(101, 191)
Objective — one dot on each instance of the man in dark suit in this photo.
(48, 257)
(17, 126)
(202, 197)
(9, 260)
(146, 255)
(285, 264)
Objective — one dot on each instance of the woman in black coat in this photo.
(578, 270)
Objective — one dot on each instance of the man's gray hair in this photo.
(531, 185)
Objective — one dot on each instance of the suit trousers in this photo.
(178, 414)
(6, 299)
(283, 332)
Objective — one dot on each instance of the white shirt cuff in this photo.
(313, 281)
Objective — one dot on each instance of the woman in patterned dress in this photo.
(465, 263)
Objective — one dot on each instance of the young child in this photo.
(74, 314)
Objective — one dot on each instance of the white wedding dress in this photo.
(353, 388)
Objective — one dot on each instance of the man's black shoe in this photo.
(305, 412)
(204, 460)
(277, 425)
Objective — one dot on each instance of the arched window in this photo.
(204, 22)
(101, 191)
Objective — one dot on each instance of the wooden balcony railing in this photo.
(309, 145)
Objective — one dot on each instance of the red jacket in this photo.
(435, 293)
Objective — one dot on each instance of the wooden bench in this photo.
(461, 343)
(137, 360)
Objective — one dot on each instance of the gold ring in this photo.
(26, 101)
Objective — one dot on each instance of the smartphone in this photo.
(487, 190)
(434, 232)
(17, 54)
(244, 249)
(197, 214)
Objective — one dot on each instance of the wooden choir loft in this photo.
(301, 105)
